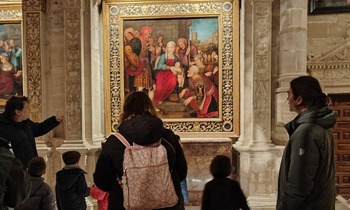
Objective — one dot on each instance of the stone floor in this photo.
(338, 206)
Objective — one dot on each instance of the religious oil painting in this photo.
(328, 6)
(11, 68)
(181, 55)
(176, 62)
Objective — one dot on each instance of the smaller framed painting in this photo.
(11, 71)
(328, 6)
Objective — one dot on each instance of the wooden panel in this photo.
(341, 135)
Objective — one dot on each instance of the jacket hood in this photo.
(323, 117)
(66, 178)
(142, 129)
(36, 183)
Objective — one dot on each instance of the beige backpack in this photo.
(146, 181)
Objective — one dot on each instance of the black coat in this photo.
(41, 196)
(140, 130)
(71, 189)
(306, 177)
(22, 135)
(14, 181)
(223, 194)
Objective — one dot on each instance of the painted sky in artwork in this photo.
(204, 27)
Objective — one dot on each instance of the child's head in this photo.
(36, 167)
(220, 167)
(177, 64)
(71, 157)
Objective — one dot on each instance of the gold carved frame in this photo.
(116, 11)
(10, 12)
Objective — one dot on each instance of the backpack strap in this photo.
(122, 139)
(171, 146)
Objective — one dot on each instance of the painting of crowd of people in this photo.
(10, 61)
(176, 62)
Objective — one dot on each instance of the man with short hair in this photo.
(16, 127)
(306, 177)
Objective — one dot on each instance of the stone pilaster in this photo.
(73, 69)
(256, 74)
(258, 157)
(97, 111)
(33, 12)
(293, 60)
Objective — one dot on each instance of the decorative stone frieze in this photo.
(34, 5)
(73, 65)
(332, 68)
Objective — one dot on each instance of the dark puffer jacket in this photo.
(306, 177)
(22, 135)
(41, 196)
(143, 130)
(71, 188)
(14, 181)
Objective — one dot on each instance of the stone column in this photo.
(259, 158)
(97, 111)
(293, 60)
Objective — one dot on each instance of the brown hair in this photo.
(137, 103)
(36, 166)
(309, 89)
(71, 157)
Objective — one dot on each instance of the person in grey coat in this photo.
(14, 181)
(41, 196)
(306, 176)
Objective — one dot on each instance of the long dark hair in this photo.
(137, 103)
(309, 89)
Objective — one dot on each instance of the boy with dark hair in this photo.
(222, 193)
(71, 186)
(41, 195)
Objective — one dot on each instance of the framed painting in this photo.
(184, 55)
(328, 6)
(11, 77)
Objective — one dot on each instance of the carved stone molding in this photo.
(34, 5)
(72, 36)
(262, 30)
(332, 68)
(10, 12)
(338, 57)
(33, 60)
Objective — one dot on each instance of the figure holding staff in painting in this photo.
(133, 63)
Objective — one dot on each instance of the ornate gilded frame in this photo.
(116, 11)
(10, 12)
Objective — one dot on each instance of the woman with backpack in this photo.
(139, 125)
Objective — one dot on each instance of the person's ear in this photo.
(17, 112)
(299, 100)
